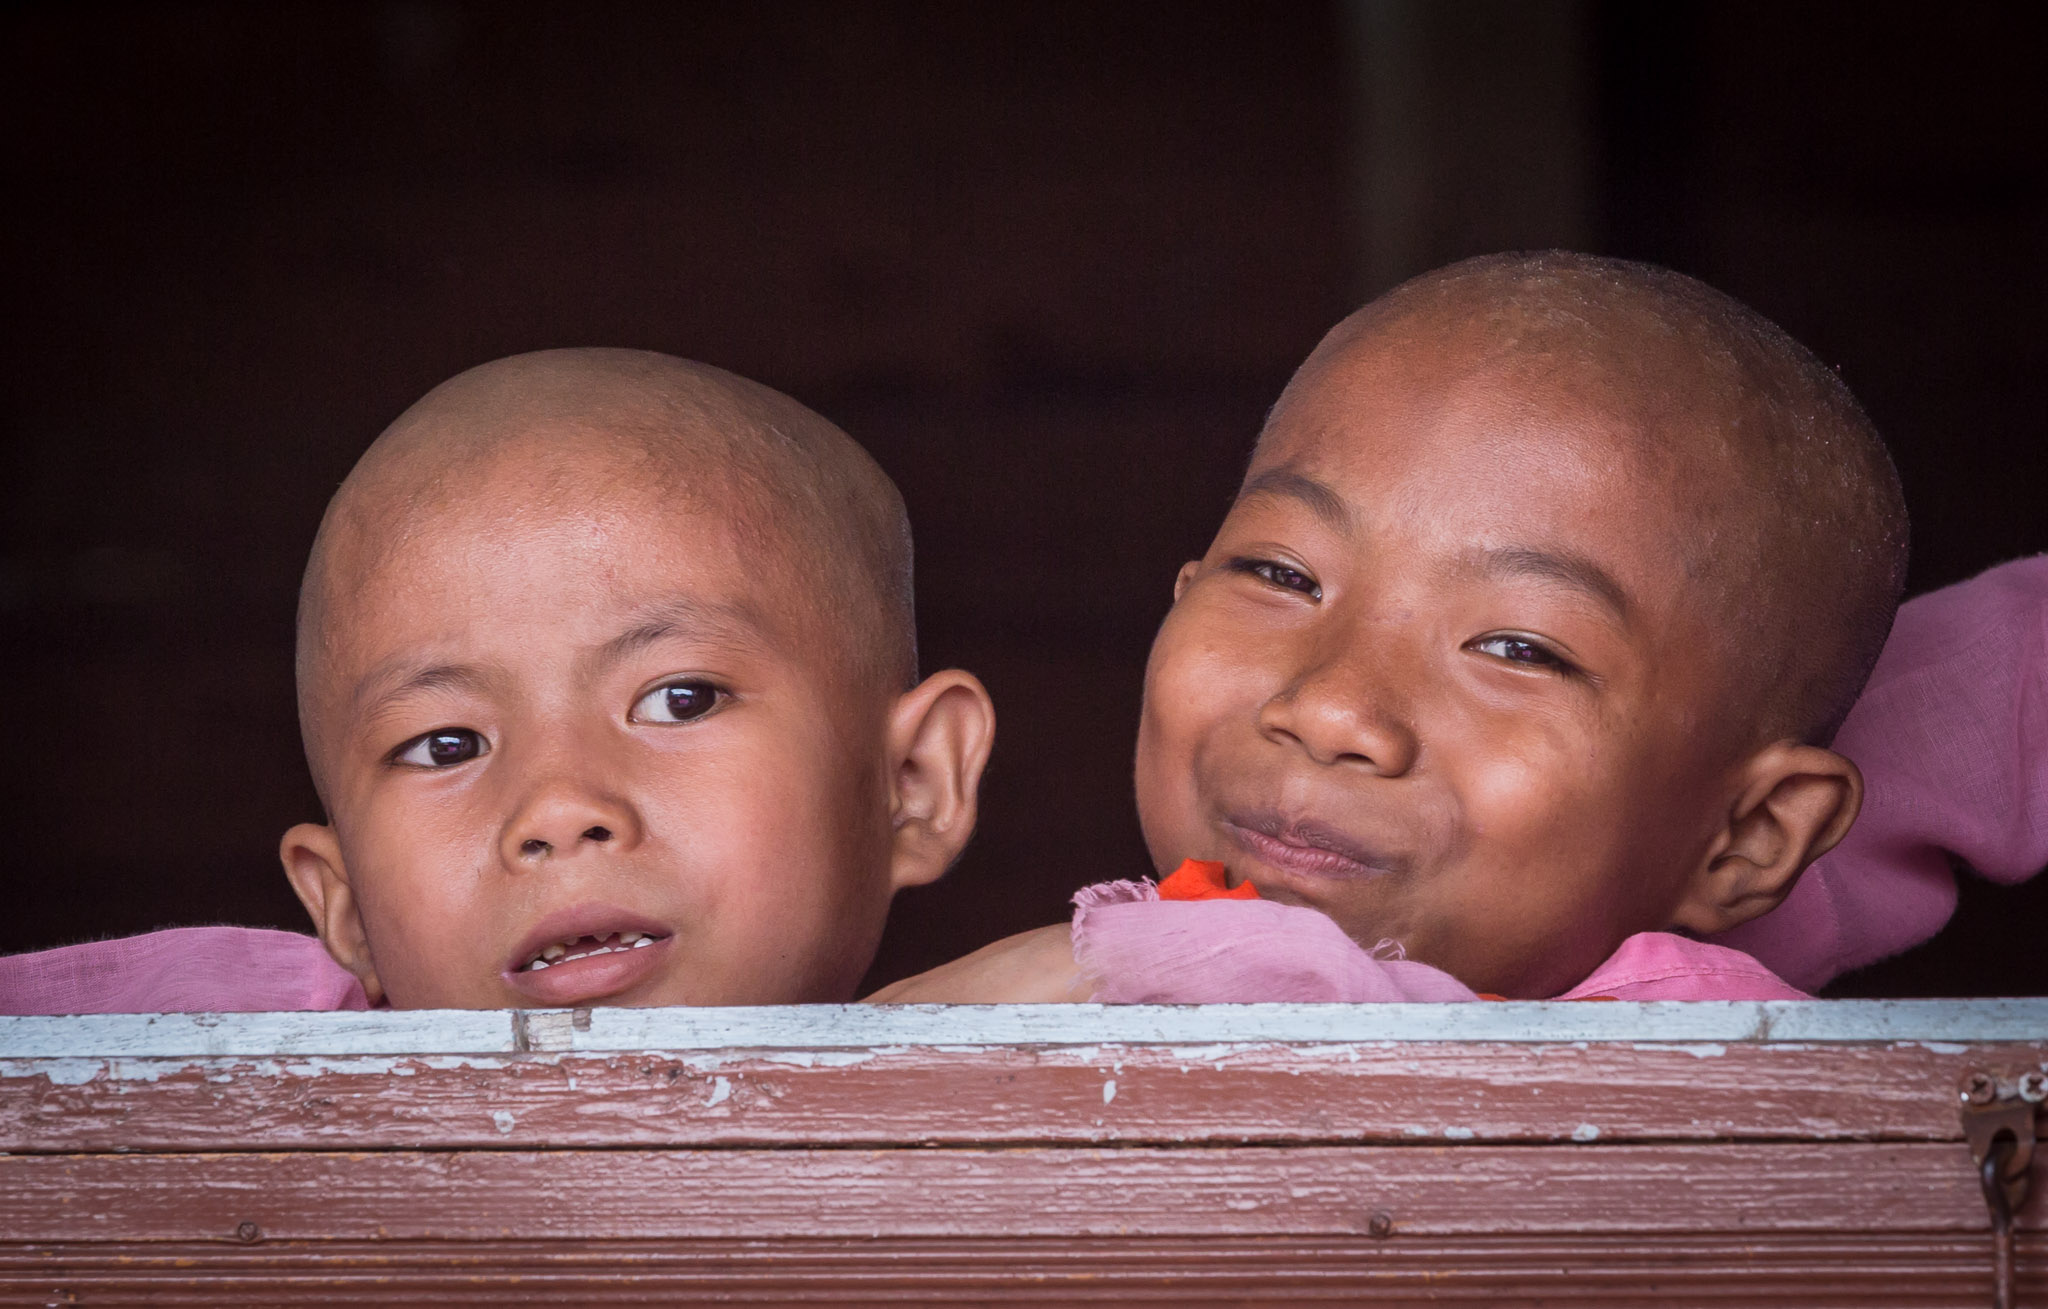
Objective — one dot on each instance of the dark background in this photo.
(1049, 262)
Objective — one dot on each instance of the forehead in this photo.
(1424, 457)
(519, 558)
(1410, 430)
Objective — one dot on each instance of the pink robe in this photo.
(1140, 949)
(180, 970)
(1952, 737)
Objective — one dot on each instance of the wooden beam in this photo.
(1331, 1094)
(1630, 1154)
(1745, 1269)
(819, 1027)
(1249, 1191)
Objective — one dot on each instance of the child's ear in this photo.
(312, 860)
(940, 733)
(1795, 803)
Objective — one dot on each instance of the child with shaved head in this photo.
(1518, 655)
(608, 683)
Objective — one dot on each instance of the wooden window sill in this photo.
(1753, 1153)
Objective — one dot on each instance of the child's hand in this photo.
(1035, 967)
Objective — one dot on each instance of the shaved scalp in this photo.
(1797, 528)
(790, 482)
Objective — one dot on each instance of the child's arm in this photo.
(1035, 967)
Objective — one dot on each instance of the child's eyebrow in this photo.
(718, 621)
(398, 681)
(1572, 570)
(1321, 500)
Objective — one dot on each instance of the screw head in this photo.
(1381, 1224)
(248, 1233)
(1980, 1088)
(2034, 1086)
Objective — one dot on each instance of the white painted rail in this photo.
(815, 1027)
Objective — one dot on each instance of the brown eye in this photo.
(1280, 575)
(442, 749)
(1520, 650)
(677, 702)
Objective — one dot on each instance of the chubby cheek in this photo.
(787, 886)
(1191, 691)
(429, 923)
(1164, 794)
(1545, 884)
(778, 922)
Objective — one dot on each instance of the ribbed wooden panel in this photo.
(1402, 1092)
(1553, 1154)
(1028, 1192)
(1754, 1269)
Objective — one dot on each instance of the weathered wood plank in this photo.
(1774, 1269)
(1380, 1091)
(1246, 1192)
(818, 1027)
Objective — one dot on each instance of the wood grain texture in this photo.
(1248, 1191)
(1838, 1271)
(1398, 1092)
(271, 1159)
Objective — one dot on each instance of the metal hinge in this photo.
(1998, 1122)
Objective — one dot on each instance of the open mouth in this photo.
(586, 947)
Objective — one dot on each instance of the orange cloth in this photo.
(1202, 879)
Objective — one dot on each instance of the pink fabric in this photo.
(1665, 966)
(182, 970)
(1952, 739)
(1139, 949)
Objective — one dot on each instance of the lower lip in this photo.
(592, 977)
(1310, 860)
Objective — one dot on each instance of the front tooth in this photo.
(645, 940)
(536, 965)
(554, 952)
(631, 938)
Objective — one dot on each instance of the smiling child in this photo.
(1548, 585)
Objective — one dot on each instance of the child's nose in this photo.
(560, 818)
(1340, 712)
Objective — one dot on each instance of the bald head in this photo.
(578, 427)
(1793, 523)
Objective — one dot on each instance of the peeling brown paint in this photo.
(1589, 1093)
(1229, 1172)
(1049, 1192)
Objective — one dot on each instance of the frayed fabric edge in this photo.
(1108, 893)
(1101, 895)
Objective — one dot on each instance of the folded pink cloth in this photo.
(1666, 966)
(1952, 738)
(1139, 949)
(181, 970)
